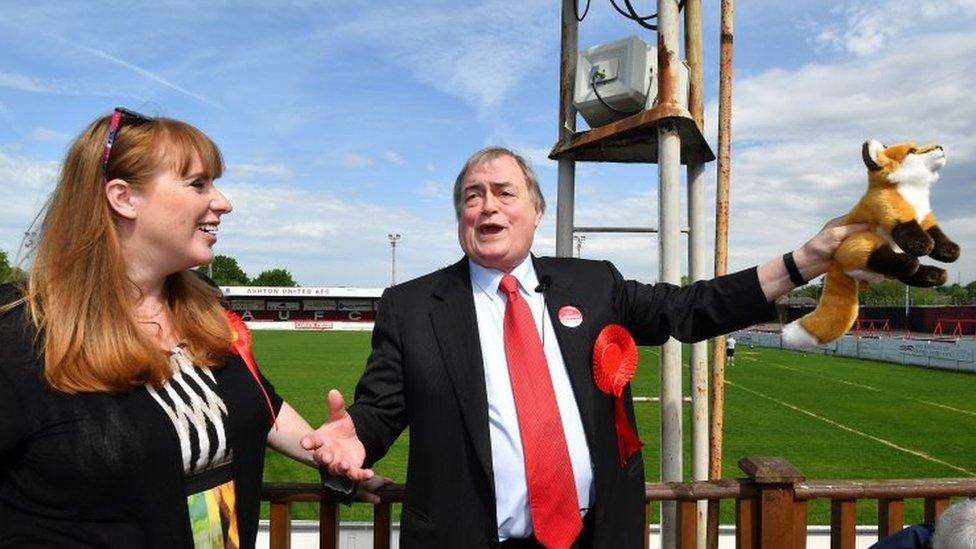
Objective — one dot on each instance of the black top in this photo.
(105, 470)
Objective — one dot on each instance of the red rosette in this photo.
(614, 365)
(240, 345)
(614, 359)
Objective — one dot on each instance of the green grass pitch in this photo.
(831, 417)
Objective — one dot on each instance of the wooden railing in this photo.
(770, 506)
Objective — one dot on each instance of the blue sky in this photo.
(342, 121)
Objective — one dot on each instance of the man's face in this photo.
(498, 216)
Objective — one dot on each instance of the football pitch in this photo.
(831, 417)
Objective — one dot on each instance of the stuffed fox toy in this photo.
(903, 228)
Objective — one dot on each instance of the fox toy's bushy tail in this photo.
(834, 315)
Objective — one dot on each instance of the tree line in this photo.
(224, 271)
(7, 271)
(892, 292)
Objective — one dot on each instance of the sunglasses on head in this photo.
(113, 129)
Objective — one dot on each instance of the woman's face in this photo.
(176, 222)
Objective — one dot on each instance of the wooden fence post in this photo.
(647, 525)
(714, 507)
(746, 524)
(279, 532)
(775, 478)
(891, 516)
(934, 507)
(687, 524)
(328, 525)
(382, 525)
(843, 523)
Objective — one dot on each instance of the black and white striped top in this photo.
(198, 413)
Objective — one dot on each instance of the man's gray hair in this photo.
(487, 155)
(956, 528)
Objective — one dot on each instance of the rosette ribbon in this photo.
(614, 364)
(240, 345)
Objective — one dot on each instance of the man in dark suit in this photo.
(502, 454)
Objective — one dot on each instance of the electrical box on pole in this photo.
(619, 79)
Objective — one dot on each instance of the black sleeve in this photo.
(338, 487)
(11, 417)
(705, 309)
(276, 400)
(379, 412)
(15, 351)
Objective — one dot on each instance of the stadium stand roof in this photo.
(323, 291)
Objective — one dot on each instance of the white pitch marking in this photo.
(870, 388)
(947, 407)
(828, 378)
(879, 440)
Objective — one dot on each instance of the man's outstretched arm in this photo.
(811, 259)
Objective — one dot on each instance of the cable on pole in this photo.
(586, 10)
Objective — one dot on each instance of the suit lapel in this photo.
(456, 329)
(573, 343)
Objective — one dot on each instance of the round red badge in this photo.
(570, 316)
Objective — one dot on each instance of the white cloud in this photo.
(150, 75)
(393, 157)
(26, 184)
(324, 239)
(353, 160)
(537, 157)
(906, 93)
(866, 28)
(36, 84)
(435, 189)
(23, 82)
(47, 134)
(259, 170)
(478, 54)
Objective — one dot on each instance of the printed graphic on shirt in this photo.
(213, 518)
(198, 413)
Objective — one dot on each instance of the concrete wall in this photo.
(947, 353)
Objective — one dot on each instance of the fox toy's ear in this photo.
(869, 152)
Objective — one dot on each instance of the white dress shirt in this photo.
(508, 461)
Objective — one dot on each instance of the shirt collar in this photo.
(487, 280)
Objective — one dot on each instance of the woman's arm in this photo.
(286, 438)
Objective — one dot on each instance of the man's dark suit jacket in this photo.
(426, 373)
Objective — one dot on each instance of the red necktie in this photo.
(553, 503)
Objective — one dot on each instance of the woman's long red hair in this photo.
(77, 293)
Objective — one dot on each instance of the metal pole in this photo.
(566, 190)
(394, 237)
(906, 305)
(698, 360)
(696, 264)
(722, 230)
(579, 244)
(669, 259)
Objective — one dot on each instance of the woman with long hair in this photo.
(130, 413)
